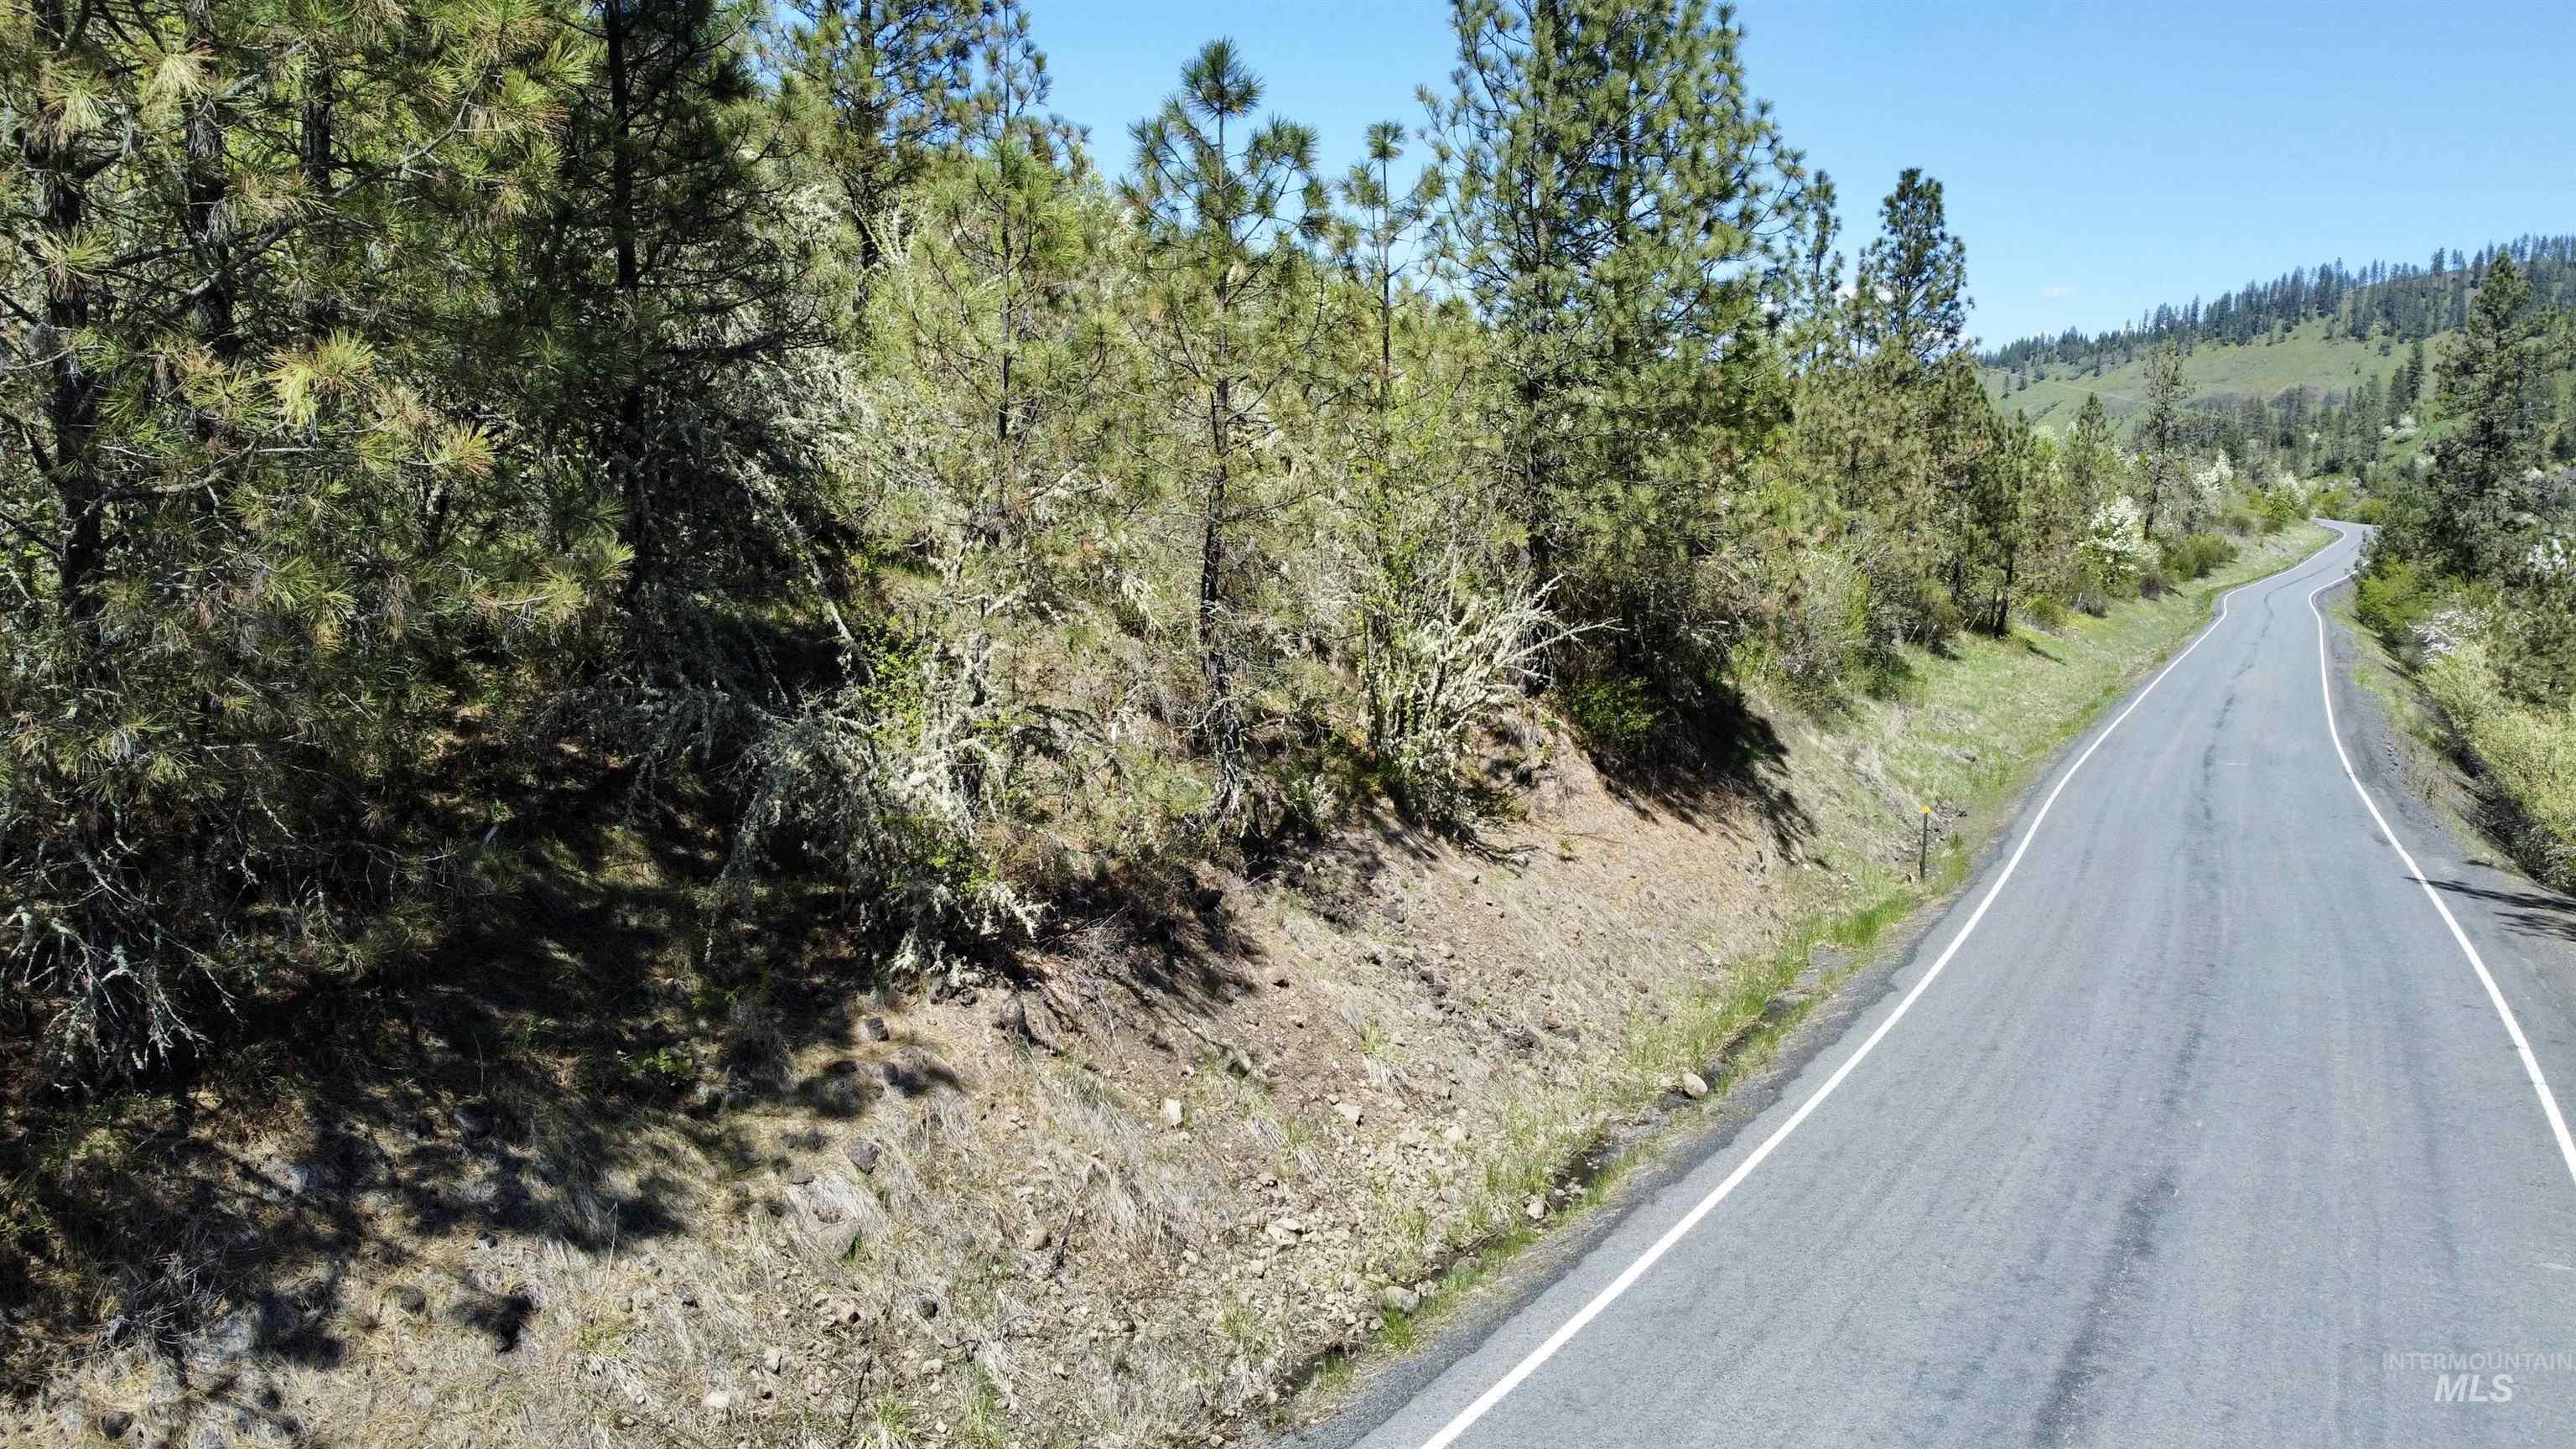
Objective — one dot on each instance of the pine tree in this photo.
(2091, 460)
(236, 481)
(1225, 206)
(1911, 289)
(670, 263)
(876, 88)
(997, 308)
(2161, 443)
(1622, 212)
(2479, 500)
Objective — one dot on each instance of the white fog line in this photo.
(2512, 1027)
(1628, 1276)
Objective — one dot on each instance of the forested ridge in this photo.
(2387, 303)
(771, 425)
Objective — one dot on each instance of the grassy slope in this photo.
(2215, 371)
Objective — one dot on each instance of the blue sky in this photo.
(2098, 159)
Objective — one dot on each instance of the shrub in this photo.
(1614, 715)
(2394, 597)
(1820, 624)
(2372, 511)
(2196, 555)
(2114, 551)
(2045, 611)
(1441, 662)
(2528, 753)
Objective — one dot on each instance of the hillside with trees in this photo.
(2335, 360)
(693, 515)
(2472, 579)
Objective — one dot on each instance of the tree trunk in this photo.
(206, 217)
(1225, 727)
(72, 402)
(630, 451)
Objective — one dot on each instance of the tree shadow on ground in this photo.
(1716, 761)
(2528, 912)
(523, 1077)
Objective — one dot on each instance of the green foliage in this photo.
(2196, 556)
(764, 422)
(2527, 748)
(1622, 255)
(2393, 597)
(2161, 445)
(2476, 509)
(1615, 716)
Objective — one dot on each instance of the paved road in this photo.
(2206, 1117)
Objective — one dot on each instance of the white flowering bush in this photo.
(2446, 631)
(2207, 492)
(2114, 550)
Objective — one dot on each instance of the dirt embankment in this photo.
(1204, 1151)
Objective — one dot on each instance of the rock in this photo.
(927, 1307)
(1537, 1208)
(1285, 1231)
(1453, 1134)
(874, 1028)
(862, 1154)
(407, 1298)
(1520, 1038)
(1280, 981)
(1395, 1298)
(1037, 1239)
(1012, 1019)
(796, 1174)
(113, 1423)
(1171, 1111)
(773, 1358)
(1693, 1087)
(1350, 1111)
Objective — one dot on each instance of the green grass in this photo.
(2216, 370)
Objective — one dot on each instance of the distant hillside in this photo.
(2328, 330)
(2220, 372)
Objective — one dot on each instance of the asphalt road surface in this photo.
(2193, 1123)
